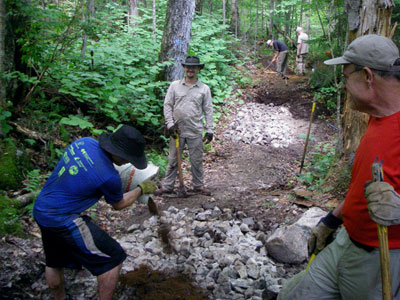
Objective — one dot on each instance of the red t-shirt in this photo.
(382, 140)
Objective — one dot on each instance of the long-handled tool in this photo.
(307, 137)
(377, 175)
(182, 190)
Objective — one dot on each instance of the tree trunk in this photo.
(234, 26)
(372, 16)
(223, 16)
(154, 22)
(199, 7)
(255, 29)
(86, 16)
(2, 52)
(271, 17)
(133, 13)
(210, 7)
(176, 37)
(144, 2)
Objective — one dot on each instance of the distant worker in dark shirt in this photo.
(281, 57)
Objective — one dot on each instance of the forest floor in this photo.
(258, 180)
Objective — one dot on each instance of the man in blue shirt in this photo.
(83, 175)
(281, 57)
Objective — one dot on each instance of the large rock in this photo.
(288, 244)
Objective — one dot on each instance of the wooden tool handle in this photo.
(377, 175)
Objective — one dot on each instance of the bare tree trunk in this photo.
(255, 29)
(372, 16)
(176, 37)
(154, 22)
(86, 16)
(210, 7)
(223, 16)
(2, 52)
(271, 17)
(234, 26)
(133, 13)
(144, 2)
(199, 7)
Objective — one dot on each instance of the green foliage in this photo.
(322, 159)
(327, 97)
(159, 159)
(34, 180)
(9, 217)
(82, 122)
(4, 127)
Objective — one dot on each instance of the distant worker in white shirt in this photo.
(302, 51)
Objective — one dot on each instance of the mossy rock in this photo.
(12, 164)
(9, 217)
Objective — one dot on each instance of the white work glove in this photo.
(321, 235)
(383, 203)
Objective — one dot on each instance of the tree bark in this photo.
(371, 16)
(176, 37)
(199, 7)
(133, 13)
(154, 22)
(2, 52)
(223, 16)
(271, 17)
(234, 25)
(86, 16)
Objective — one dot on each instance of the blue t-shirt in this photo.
(83, 174)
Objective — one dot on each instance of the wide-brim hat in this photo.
(193, 61)
(127, 143)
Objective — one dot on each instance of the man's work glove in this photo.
(383, 203)
(148, 187)
(321, 234)
(208, 137)
(174, 131)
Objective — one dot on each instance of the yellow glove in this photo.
(148, 187)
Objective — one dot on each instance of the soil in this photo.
(254, 181)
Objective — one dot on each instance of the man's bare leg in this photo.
(55, 280)
(107, 283)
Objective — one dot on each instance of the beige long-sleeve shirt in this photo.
(188, 107)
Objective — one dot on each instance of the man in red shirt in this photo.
(349, 267)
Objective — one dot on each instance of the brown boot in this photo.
(202, 190)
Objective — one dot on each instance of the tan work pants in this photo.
(195, 147)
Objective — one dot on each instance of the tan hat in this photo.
(373, 51)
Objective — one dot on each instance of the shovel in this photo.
(182, 190)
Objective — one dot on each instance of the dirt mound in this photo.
(147, 284)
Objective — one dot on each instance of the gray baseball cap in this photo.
(373, 51)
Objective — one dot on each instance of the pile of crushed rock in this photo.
(222, 254)
(261, 124)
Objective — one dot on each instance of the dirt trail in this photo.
(254, 180)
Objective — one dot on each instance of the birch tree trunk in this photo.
(371, 16)
(176, 37)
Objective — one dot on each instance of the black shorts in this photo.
(81, 244)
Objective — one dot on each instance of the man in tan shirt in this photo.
(187, 103)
